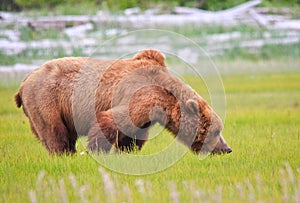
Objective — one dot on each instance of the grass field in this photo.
(262, 127)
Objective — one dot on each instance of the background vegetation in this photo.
(123, 4)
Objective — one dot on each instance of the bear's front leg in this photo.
(114, 127)
(129, 143)
(103, 133)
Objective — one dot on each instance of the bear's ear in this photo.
(192, 106)
(151, 54)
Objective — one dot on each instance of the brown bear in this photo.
(115, 102)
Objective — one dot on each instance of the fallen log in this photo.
(261, 21)
(287, 25)
(238, 10)
(58, 22)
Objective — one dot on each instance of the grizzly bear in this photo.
(115, 102)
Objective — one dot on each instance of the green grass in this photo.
(29, 34)
(71, 7)
(262, 127)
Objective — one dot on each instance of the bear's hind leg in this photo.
(72, 141)
(58, 141)
(57, 138)
(53, 135)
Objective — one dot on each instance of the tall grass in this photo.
(111, 190)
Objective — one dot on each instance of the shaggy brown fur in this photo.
(114, 102)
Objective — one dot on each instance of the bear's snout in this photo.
(222, 147)
(228, 150)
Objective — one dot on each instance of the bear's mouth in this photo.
(222, 151)
(204, 148)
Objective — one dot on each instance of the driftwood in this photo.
(239, 10)
(288, 25)
(277, 11)
(261, 21)
(58, 22)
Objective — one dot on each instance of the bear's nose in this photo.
(228, 150)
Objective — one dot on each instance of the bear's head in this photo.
(200, 127)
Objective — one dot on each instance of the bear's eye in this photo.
(216, 133)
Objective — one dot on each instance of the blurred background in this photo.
(240, 36)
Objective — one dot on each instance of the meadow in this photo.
(262, 127)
